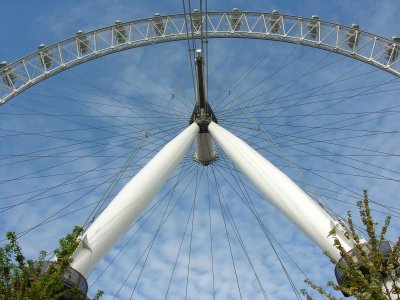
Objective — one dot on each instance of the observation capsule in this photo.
(274, 22)
(196, 20)
(8, 75)
(313, 27)
(235, 19)
(353, 35)
(385, 249)
(82, 42)
(120, 32)
(392, 49)
(158, 25)
(45, 56)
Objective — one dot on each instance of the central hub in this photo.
(202, 115)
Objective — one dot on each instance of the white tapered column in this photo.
(130, 202)
(281, 191)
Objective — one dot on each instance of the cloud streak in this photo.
(93, 116)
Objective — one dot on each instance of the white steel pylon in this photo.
(291, 200)
(274, 185)
(281, 191)
(202, 115)
(130, 202)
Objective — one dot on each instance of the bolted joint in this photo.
(203, 120)
(203, 117)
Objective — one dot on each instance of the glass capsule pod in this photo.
(120, 32)
(158, 25)
(275, 22)
(392, 50)
(353, 35)
(196, 20)
(313, 27)
(7, 74)
(82, 42)
(235, 19)
(45, 56)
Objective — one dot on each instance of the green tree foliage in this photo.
(367, 266)
(27, 279)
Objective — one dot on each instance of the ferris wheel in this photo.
(192, 151)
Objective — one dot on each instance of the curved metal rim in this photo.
(32, 69)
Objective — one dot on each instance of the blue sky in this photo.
(62, 141)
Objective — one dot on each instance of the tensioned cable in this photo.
(346, 188)
(289, 97)
(110, 102)
(211, 236)
(149, 245)
(286, 62)
(201, 26)
(329, 141)
(182, 173)
(76, 157)
(3, 209)
(247, 201)
(97, 143)
(188, 42)
(311, 70)
(128, 106)
(63, 163)
(127, 124)
(282, 154)
(308, 139)
(326, 107)
(336, 192)
(237, 234)
(291, 82)
(182, 240)
(164, 216)
(309, 170)
(178, 83)
(48, 220)
(206, 53)
(30, 199)
(360, 229)
(262, 226)
(192, 29)
(191, 229)
(345, 127)
(227, 237)
(123, 169)
(265, 103)
(112, 98)
(238, 81)
(233, 113)
(289, 138)
(169, 92)
(128, 162)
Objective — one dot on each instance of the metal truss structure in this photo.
(47, 61)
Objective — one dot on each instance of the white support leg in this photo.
(130, 202)
(205, 152)
(281, 191)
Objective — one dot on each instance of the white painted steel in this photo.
(205, 152)
(130, 202)
(357, 44)
(281, 191)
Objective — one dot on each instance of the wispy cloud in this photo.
(92, 116)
